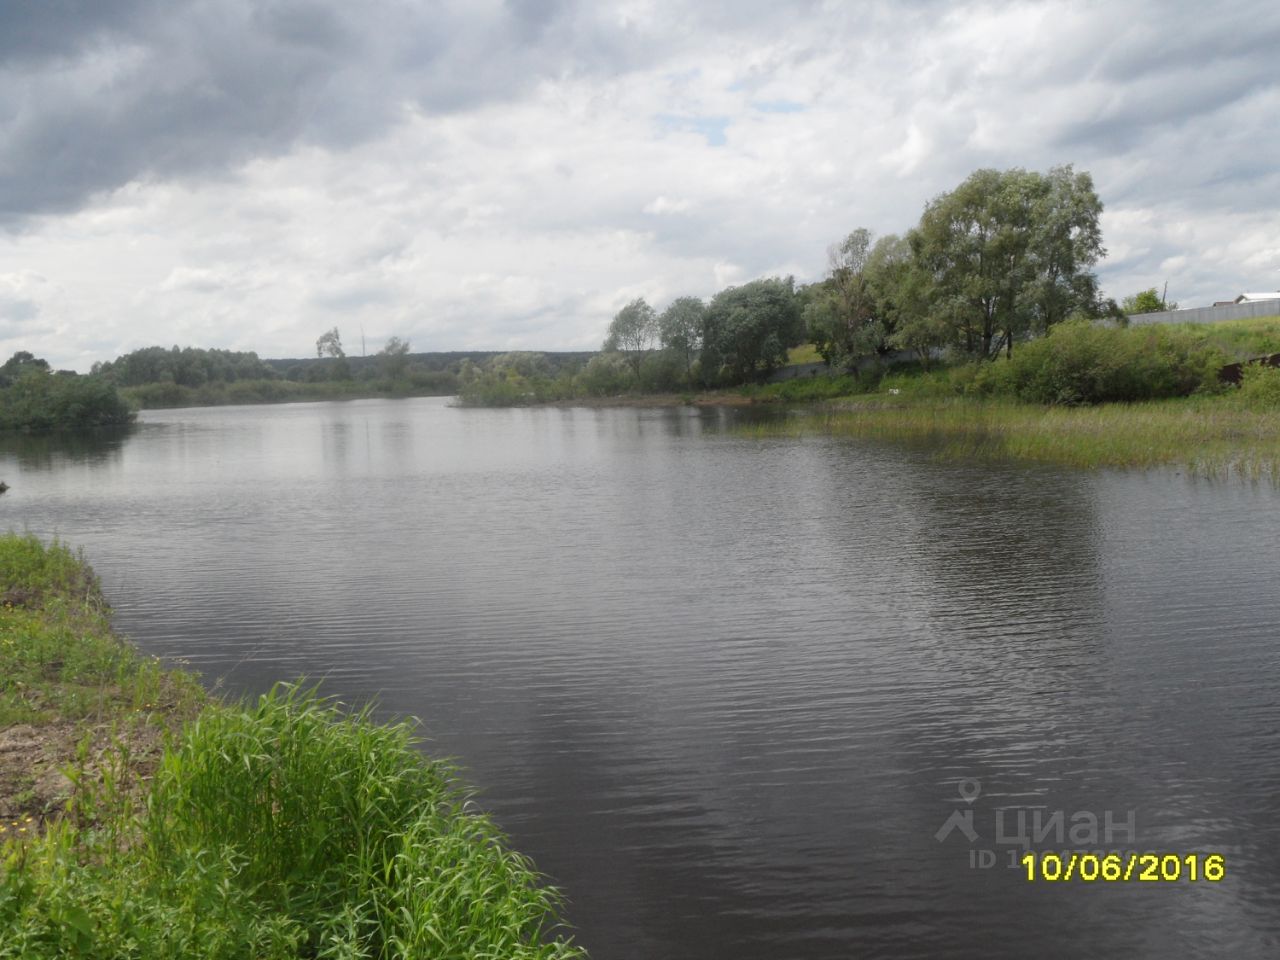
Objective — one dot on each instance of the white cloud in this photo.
(396, 178)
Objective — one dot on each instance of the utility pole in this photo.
(1164, 301)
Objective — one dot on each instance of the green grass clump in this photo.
(282, 828)
(1239, 339)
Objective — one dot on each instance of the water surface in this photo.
(727, 692)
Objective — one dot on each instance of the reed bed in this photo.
(1210, 436)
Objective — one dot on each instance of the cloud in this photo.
(98, 94)
(246, 173)
(659, 206)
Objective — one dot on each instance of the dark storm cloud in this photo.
(35, 30)
(96, 94)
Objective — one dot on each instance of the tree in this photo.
(20, 363)
(1145, 301)
(680, 330)
(901, 291)
(329, 344)
(840, 314)
(632, 332)
(1007, 254)
(747, 330)
(394, 358)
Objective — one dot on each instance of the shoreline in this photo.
(145, 816)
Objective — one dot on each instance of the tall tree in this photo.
(680, 330)
(632, 332)
(329, 344)
(840, 314)
(747, 330)
(1009, 253)
(394, 358)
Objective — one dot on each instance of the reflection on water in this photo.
(46, 451)
(725, 690)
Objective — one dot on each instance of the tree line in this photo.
(999, 260)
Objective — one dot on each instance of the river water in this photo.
(739, 698)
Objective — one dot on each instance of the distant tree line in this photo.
(192, 376)
(185, 366)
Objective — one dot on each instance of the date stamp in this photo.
(1121, 868)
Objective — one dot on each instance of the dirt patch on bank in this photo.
(43, 766)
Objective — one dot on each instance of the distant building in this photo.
(1255, 297)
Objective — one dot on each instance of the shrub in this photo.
(1082, 363)
(1260, 386)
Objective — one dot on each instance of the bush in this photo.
(1260, 386)
(1080, 362)
(39, 400)
(605, 375)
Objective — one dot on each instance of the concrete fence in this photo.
(1234, 311)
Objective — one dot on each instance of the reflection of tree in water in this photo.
(44, 451)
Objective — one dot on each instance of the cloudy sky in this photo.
(494, 175)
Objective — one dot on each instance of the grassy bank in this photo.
(1085, 396)
(144, 819)
(1208, 437)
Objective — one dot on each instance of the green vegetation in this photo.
(744, 333)
(33, 399)
(1145, 301)
(1000, 260)
(283, 828)
(808, 389)
(190, 377)
(1205, 436)
(185, 367)
(747, 330)
(1086, 396)
(805, 353)
(1081, 362)
(1239, 339)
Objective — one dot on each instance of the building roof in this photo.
(1265, 295)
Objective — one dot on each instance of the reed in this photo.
(1205, 435)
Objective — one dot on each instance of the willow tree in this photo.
(1008, 254)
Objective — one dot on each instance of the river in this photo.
(739, 698)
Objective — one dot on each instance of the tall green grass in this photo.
(1206, 435)
(283, 828)
(286, 827)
